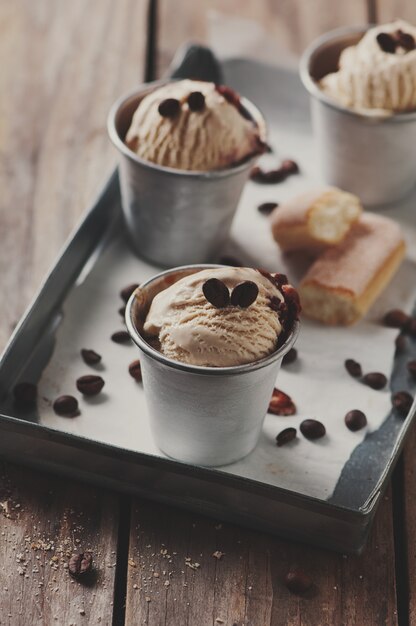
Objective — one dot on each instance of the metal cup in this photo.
(371, 155)
(202, 415)
(174, 216)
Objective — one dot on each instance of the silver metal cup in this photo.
(174, 216)
(202, 415)
(371, 155)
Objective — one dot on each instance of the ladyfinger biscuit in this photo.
(344, 281)
(315, 220)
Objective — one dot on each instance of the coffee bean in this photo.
(290, 166)
(411, 367)
(90, 357)
(231, 260)
(355, 420)
(290, 357)
(90, 385)
(386, 42)
(281, 403)
(169, 107)
(298, 581)
(120, 336)
(402, 401)
(244, 294)
(261, 176)
(196, 101)
(396, 318)
(267, 207)
(312, 429)
(25, 395)
(216, 292)
(401, 343)
(405, 40)
(375, 380)
(353, 368)
(285, 436)
(135, 370)
(67, 406)
(122, 311)
(79, 565)
(126, 292)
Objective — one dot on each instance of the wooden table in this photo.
(62, 65)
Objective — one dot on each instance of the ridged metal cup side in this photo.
(371, 155)
(173, 216)
(207, 416)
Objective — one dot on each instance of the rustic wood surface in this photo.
(281, 25)
(175, 578)
(63, 63)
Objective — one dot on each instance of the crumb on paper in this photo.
(218, 554)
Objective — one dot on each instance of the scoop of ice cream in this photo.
(193, 125)
(192, 330)
(379, 72)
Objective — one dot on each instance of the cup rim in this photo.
(199, 369)
(145, 88)
(311, 86)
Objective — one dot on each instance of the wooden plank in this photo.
(63, 64)
(174, 579)
(389, 10)
(290, 26)
(43, 521)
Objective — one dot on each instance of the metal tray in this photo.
(110, 443)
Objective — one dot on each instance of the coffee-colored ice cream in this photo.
(218, 328)
(379, 72)
(193, 125)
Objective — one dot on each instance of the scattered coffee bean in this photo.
(90, 384)
(90, 357)
(244, 294)
(396, 318)
(216, 293)
(135, 370)
(79, 565)
(287, 168)
(402, 401)
(353, 368)
(411, 368)
(386, 42)
(267, 207)
(281, 403)
(355, 420)
(285, 436)
(375, 380)
(401, 343)
(120, 336)
(232, 261)
(196, 101)
(290, 166)
(169, 107)
(312, 429)
(122, 311)
(297, 581)
(67, 406)
(126, 292)
(290, 357)
(25, 395)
